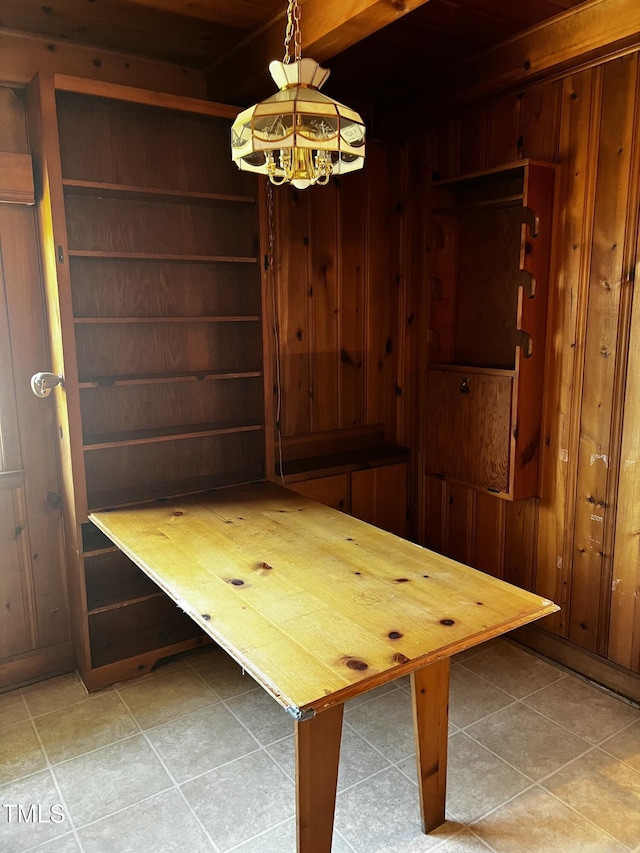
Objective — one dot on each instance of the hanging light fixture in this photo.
(298, 135)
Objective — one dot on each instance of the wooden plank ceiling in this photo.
(375, 48)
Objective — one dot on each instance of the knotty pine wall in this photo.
(578, 543)
(352, 290)
(338, 296)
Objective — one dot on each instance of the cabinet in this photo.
(151, 241)
(490, 251)
(353, 470)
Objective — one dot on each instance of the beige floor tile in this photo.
(241, 800)
(371, 694)
(65, 844)
(465, 842)
(20, 752)
(535, 822)
(476, 650)
(513, 670)
(387, 724)
(39, 820)
(161, 824)
(471, 698)
(201, 741)
(585, 710)
(478, 780)
(626, 745)
(222, 673)
(260, 713)
(383, 814)
(87, 725)
(110, 779)
(604, 791)
(12, 708)
(166, 696)
(527, 740)
(55, 693)
(282, 839)
(358, 760)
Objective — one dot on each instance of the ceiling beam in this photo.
(327, 28)
(584, 35)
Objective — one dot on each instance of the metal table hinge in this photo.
(300, 716)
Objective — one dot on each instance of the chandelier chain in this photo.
(293, 33)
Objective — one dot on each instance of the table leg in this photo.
(430, 691)
(317, 754)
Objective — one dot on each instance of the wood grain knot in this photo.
(264, 565)
(400, 658)
(394, 635)
(178, 512)
(236, 582)
(401, 580)
(480, 603)
(425, 576)
(354, 663)
(447, 621)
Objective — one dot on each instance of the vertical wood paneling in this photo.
(353, 274)
(434, 514)
(540, 122)
(519, 546)
(504, 130)
(459, 508)
(597, 451)
(383, 288)
(473, 142)
(292, 263)
(578, 134)
(489, 534)
(624, 636)
(325, 308)
(16, 628)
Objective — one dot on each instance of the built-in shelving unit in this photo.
(489, 267)
(155, 307)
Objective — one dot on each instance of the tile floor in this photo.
(195, 757)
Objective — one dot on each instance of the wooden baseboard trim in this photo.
(37, 665)
(597, 669)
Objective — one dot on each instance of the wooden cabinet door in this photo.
(332, 491)
(34, 629)
(469, 427)
(379, 496)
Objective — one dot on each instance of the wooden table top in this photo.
(316, 605)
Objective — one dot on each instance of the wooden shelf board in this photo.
(489, 369)
(339, 463)
(174, 488)
(487, 204)
(98, 189)
(100, 321)
(116, 605)
(151, 379)
(96, 552)
(159, 256)
(95, 542)
(172, 433)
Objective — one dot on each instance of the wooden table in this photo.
(319, 607)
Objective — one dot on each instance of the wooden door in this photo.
(34, 631)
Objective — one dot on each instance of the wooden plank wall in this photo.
(339, 294)
(352, 291)
(578, 543)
